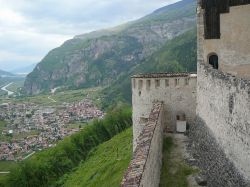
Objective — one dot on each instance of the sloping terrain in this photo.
(105, 166)
(178, 54)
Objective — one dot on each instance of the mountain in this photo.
(24, 70)
(6, 74)
(176, 55)
(101, 57)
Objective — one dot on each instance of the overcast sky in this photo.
(29, 29)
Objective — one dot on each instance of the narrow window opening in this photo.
(177, 117)
(213, 61)
(157, 83)
(139, 93)
(167, 82)
(148, 84)
(177, 82)
(186, 82)
(140, 84)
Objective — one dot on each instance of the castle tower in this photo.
(177, 92)
(226, 41)
(222, 129)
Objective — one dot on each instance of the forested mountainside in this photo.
(102, 57)
(177, 55)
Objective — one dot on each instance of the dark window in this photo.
(148, 84)
(157, 83)
(178, 117)
(213, 61)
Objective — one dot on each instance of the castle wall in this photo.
(221, 134)
(234, 44)
(144, 169)
(178, 93)
(224, 106)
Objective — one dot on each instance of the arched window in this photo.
(213, 61)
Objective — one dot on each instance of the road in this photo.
(53, 100)
(4, 88)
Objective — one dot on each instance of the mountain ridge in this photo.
(97, 59)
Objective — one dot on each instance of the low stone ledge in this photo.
(135, 176)
(165, 75)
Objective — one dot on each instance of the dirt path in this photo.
(177, 166)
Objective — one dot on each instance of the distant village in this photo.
(33, 128)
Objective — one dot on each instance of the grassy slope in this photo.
(104, 167)
(5, 166)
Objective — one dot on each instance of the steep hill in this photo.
(100, 58)
(105, 166)
(178, 54)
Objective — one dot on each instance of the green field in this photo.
(67, 96)
(16, 85)
(106, 165)
(6, 166)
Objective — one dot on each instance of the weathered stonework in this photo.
(176, 90)
(211, 158)
(145, 167)
(224, 106)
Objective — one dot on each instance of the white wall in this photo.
(178, 100)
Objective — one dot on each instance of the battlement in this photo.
(154, 81)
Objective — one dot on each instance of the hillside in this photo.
(176, 55)
(100, 58)
(6, 74)
(105, 166)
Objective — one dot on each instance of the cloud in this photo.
(29, 29)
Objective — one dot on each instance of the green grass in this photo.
(7, 165)
(174, 170)
(16, 85)
(106, 164)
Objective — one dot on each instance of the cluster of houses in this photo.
(33, 128)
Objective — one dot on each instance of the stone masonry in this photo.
(145, 167)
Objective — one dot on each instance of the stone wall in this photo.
(145, 168)
(224, 108)
(176, 90)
